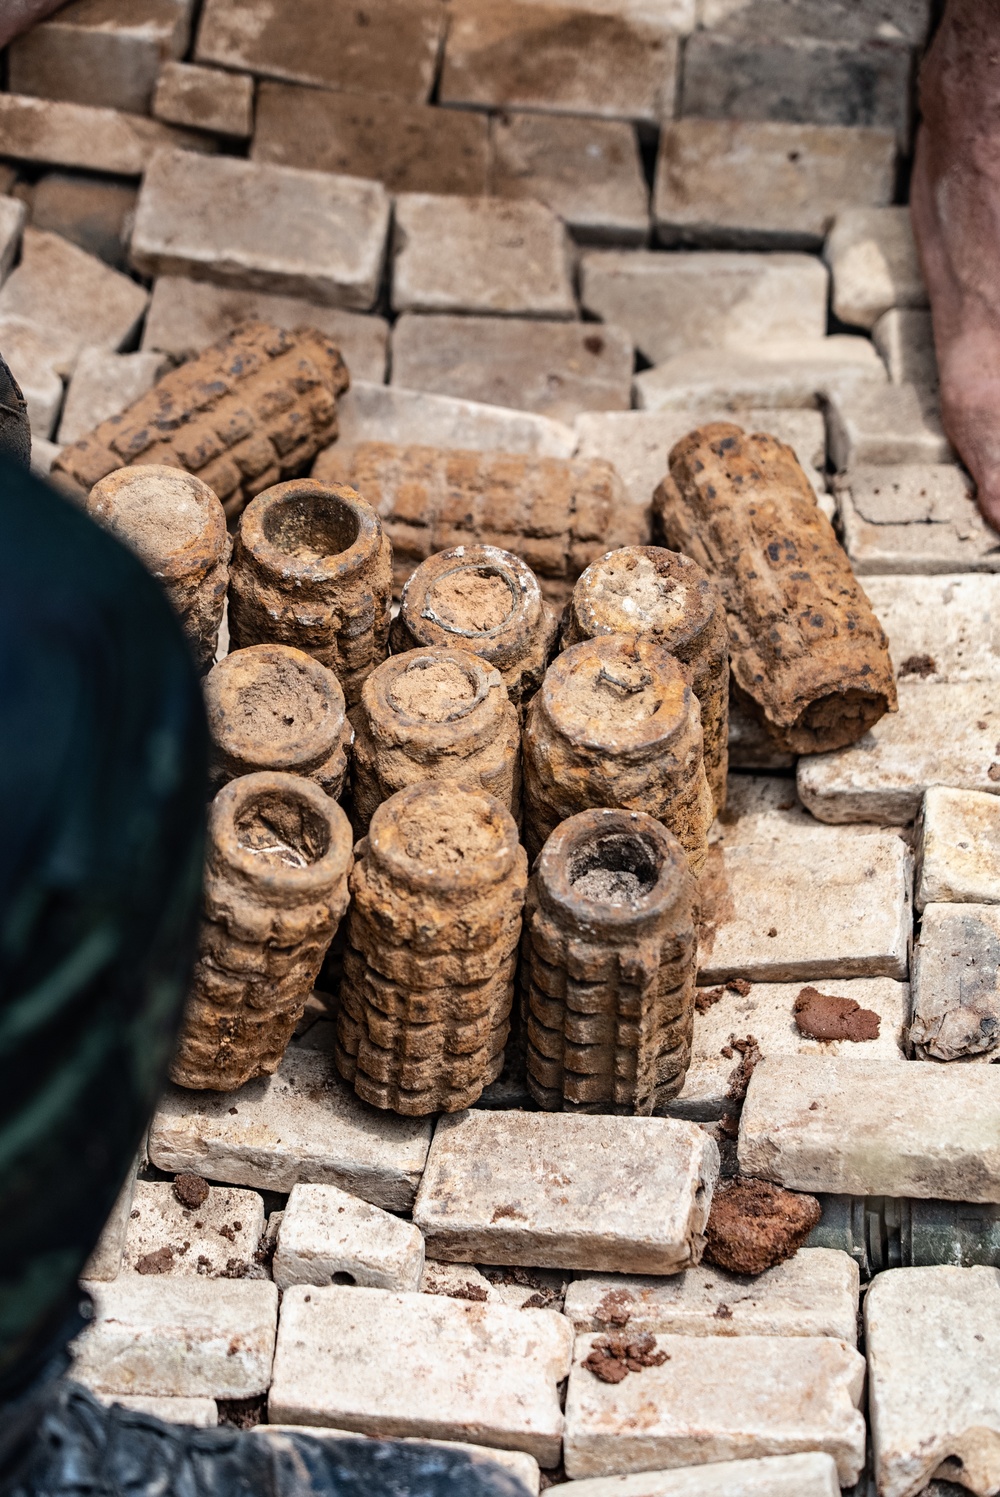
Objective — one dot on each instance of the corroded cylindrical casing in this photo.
(432, 939)
(434, 715)
(176, 526)
(272, 707)
(557, 513)
(649, 590)
(807, 651)
(617, 724)
(278, 858)
(482, 599)
(313, 569)
(250, 410)
(608, 965)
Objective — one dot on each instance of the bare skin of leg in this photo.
(955, 205)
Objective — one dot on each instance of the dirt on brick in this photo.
(614, 1357)
(191, 1191)
(918, 665)
(160, 1261)
(615, 1308)
(749, 1053)
(823, 1016)
(754, 1225)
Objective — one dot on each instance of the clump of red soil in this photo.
(162, 1261)
(615, 1308)
(821, 1016)
(754, 1225)
(191, 1191)
(614, 1357)
(706, 998)
(918, 665)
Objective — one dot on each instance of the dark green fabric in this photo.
(15, 431)
(83, 1450)
(102, 777)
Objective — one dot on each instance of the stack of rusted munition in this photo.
(618, 774)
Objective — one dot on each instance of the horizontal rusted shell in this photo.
(312, 569)
(806, 649)
(556, 513)
(253, 408)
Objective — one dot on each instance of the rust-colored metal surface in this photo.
(806, 649)
(312, 568)
(437, 894)
(617, 724)
(558, 514)
(651, 591)
(272, 707)
(251, 410)
(608, 965)
(482, 599)
(176, 526)
(278, 858)
(434, 715)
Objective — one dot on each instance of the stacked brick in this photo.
(651, 591)
(608, 965)
(617, 724)
(432, 937)
(251, 410)
(278, 857)
(557, 514)
(312, 568)
(434, 715)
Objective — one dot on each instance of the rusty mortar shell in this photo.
(608, 965)
(276, 887)
(272, 707)
(616, 724)
(652, 591)
(809, 658)
(177, 527)
(431, 951)
(312, 568)
(436, 714)
(485, 600)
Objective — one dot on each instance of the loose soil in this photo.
(434, 691)
(162, 1261)
(449, 836)
(753, 1225)
(918, 665)
(610, 886)
(614, 1357)
(471, 601)
(615, 1308)
(821, 1016)
(191, 1191)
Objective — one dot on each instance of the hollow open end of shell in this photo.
(310, 525)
